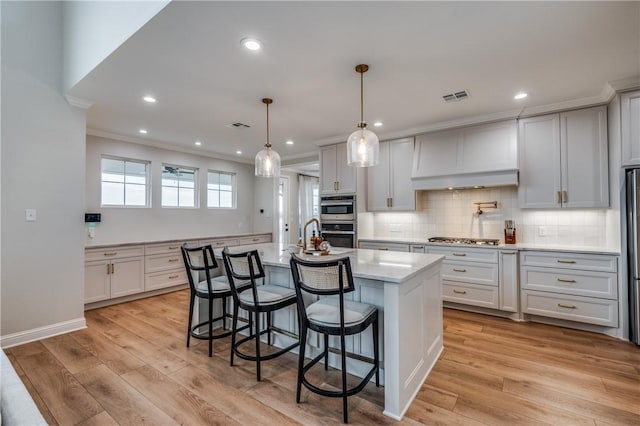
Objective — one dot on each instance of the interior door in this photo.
(283, 210)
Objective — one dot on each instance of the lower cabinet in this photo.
(113, 272)
(383, 246)
(570, 286)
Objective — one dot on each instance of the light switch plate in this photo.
(30, 215)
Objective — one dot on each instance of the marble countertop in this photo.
(377, 265)
(174, 240)
(518, 246)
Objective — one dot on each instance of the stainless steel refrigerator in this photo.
(633, 252)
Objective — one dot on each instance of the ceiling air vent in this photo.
(457, 96)
(238, 125)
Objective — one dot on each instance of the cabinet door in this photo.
(328, 171)
(539, 162)
(401, 192)
(584, 157)
(97, 280)
(508, 297)
(345, 174)
(630, 120)
(127, 277)
(436, 154)
(417, 248)
(488, 147)
(378, 182)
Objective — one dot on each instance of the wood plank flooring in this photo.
(131, 366)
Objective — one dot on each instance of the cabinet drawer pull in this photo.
(509, 252)
(562, 305)
(173, 260)
(565, 261)
(460, 291)
(173, 276)
(566, 281)
(565, 197)
(558, 197)
(219, 243)
(418, 247)
(459, 270)
(108, 269)
(383, 248)
(174, 247)
(459, 254)
(113, 269)
(111, 253)
(256, 239)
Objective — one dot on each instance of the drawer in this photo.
(256, 239)
(220, 242)
(470, 294)
(116, 252)
(581, 283)
(163, 262)
(167, 248)
(384, 246)
(469, 272)
(164, 279)
(466, 253)
(591, 262)
(574, 308)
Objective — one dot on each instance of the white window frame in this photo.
(147, 182)
(234, 186)
(196, 186)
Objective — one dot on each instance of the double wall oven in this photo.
(338, 220)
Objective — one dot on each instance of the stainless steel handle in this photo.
(335, 203)
(111, 253)
(418, 247)
(108, 269)
(565, 196)
(459, 270)
(113, 269)
(562, 305)
(558, 197)
(509, 252)
(565, 261)
(459, 254)
(173, 276)
(339, 232)
(566, 281)
(460, 291)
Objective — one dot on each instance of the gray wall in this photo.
(43, 167)
(122, 225)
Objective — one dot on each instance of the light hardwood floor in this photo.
(131, 366)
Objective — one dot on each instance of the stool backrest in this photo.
(322, 277)
(244, 266)
(196, 260)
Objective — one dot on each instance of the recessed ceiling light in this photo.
(143, 131)
(520, 96)
(251, 43)
(377, 123)
(238, 152)
(289, 142)
(150, 99)
(198, 143)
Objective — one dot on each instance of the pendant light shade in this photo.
(267, 160)
(363, 148)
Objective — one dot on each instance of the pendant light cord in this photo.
(361, 97)
(268, 141)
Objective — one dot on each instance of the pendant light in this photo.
(267, 160)
(363, 149)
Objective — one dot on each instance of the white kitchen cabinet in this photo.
(336, 177)
(383, 245)
(630, 121)
(479, 155)
(508, 280)
(113, 272)
(563, 160)
(571, 286)
(389, 186)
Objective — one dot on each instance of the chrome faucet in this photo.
(304, 232)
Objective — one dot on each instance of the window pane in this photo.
(186, 197)
(135, 195)
(134, 169)
(213, 186)
(226, 199)
(213, 178)
(112, 193)
(187, 180)
(111, 166)
(213, 199)
(169, 196)
(225, 179)
(140, 180)
(112, 177)
(169, 178)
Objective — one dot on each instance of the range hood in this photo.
(467, 180)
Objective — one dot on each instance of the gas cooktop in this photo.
(467, 241)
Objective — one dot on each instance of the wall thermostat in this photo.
(92, 217)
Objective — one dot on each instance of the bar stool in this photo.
(255, 299)
(201, 259)
(331, 316)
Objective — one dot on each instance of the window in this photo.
(221, 190)
(124, 182)
(179, 186)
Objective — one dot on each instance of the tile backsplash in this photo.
(452, 213)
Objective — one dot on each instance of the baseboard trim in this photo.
(40, 333)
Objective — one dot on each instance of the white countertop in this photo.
(378, 265)
(518, 246)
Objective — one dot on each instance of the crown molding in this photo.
(164, 145)
(78, 102)
(625, 84)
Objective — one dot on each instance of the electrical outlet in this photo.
(30, 215)
(542, 231)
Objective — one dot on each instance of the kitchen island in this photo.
(406, 288)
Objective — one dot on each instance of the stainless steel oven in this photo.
(338, 208)
(339, 234)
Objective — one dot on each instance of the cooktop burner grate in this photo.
(468, 241)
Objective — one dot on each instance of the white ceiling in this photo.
(189, 57)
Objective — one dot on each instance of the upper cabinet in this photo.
(389, 183)
(630, 120)
(336, 177)
(563, 160)
(482, 155)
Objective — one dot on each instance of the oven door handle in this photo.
(339, 232)
(336, 203)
